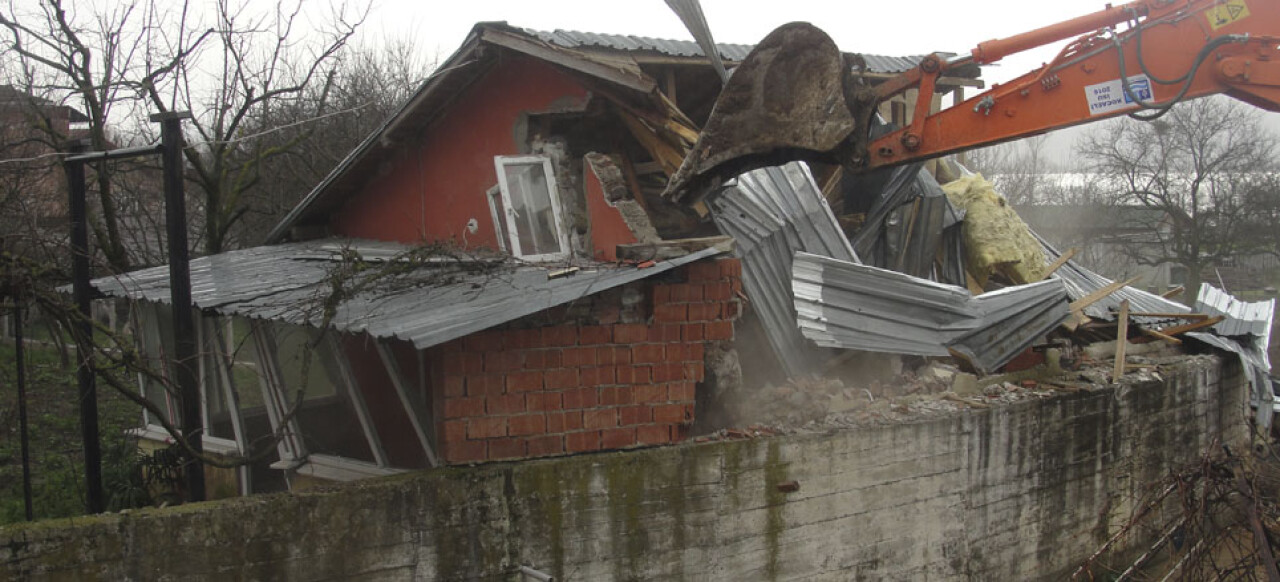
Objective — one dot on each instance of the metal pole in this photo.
(22, 405)
(83, 332)
(184, 329)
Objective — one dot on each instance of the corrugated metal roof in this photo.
(845, 305)
(430, 305)
(1242, 318)
(1258, 371)
(688, 48)
(771, 213)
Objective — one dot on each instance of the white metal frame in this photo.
(500, 163)
(499, 219)
(401, 385)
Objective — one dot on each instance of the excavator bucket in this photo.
(786, 101)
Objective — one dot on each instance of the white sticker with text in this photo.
(1110, 97)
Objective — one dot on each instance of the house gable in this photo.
(434, 187)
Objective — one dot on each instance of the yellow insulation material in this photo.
(995, 238)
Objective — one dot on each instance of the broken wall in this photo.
(1024, 491)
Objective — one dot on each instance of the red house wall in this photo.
(608, 229)
(602, 384)
(435, 187)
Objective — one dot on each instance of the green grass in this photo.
(56, 449)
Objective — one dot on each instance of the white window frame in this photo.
(500, 163)
(499, 221)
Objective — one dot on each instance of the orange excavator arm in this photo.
(1137, 58)
(1172, 51)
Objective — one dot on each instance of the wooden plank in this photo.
(1186, 327)
(1062, 260)
(1176, 291)
(627, 74)
(352, 387)
(1160, 336)
(399, 382)
(1080, 304)
(1122, 340)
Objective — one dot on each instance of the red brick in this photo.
(703, 271)
(680, 433)
(630, 333)
(615, 396)
(508, 404)
(578, 357)
(463, 407)
(463, 363)
(564, 335)
(650, 393)
(634, 375)
(505, 361)
(527, 381)
(681, 391)
(522, 339)
(664, 333)
(455, 387)
(545, 446)
(717, 291)
(613, 355)
(661, 294)
(577, 442)
(543, 359)
(542, 401)
(730, 268)
(450, 347)
(653, 434)
(561, 379)
(735, 286)
(668, 372)
(595, 334)
(732, 309)
(455, 431)
(600, 418)
(671, 313)
(597, 376)
(618, 438)
(633, 415)
(696, 352)
(705, 311)
(686, 293)
(506, 449)
(487, 385)
(487, 427)
(564, 421)
(648, 353)
(720, 330)
(483, 341)
(580, 398)
(671, 414)
(465, 451)
(527, 425)
(693, 332)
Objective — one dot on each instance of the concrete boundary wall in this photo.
(1022, 491)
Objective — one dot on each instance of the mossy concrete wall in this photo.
(1023, 491)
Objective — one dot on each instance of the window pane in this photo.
(213, 365)
(500, 218)
(327, 417)
(245, 374)
(157, 353)
(531, 202)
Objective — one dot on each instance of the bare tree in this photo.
(1195, 168)
(1020, 169)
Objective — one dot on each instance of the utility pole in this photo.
(82, 331)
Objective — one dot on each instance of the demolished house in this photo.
(495, 274)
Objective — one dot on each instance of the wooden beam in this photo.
(627, 74)
(401, 386)
(1122, 340)
(1062, 260)
(1196, 316)
(1176, 291)
(1100, 294)
(1186, 327)
(1160, 336)
(352, 387)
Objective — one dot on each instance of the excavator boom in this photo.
(795, 97)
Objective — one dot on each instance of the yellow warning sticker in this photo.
(1227, 12)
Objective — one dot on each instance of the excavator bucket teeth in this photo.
(784, 102)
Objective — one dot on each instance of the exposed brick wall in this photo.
(622, 372)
